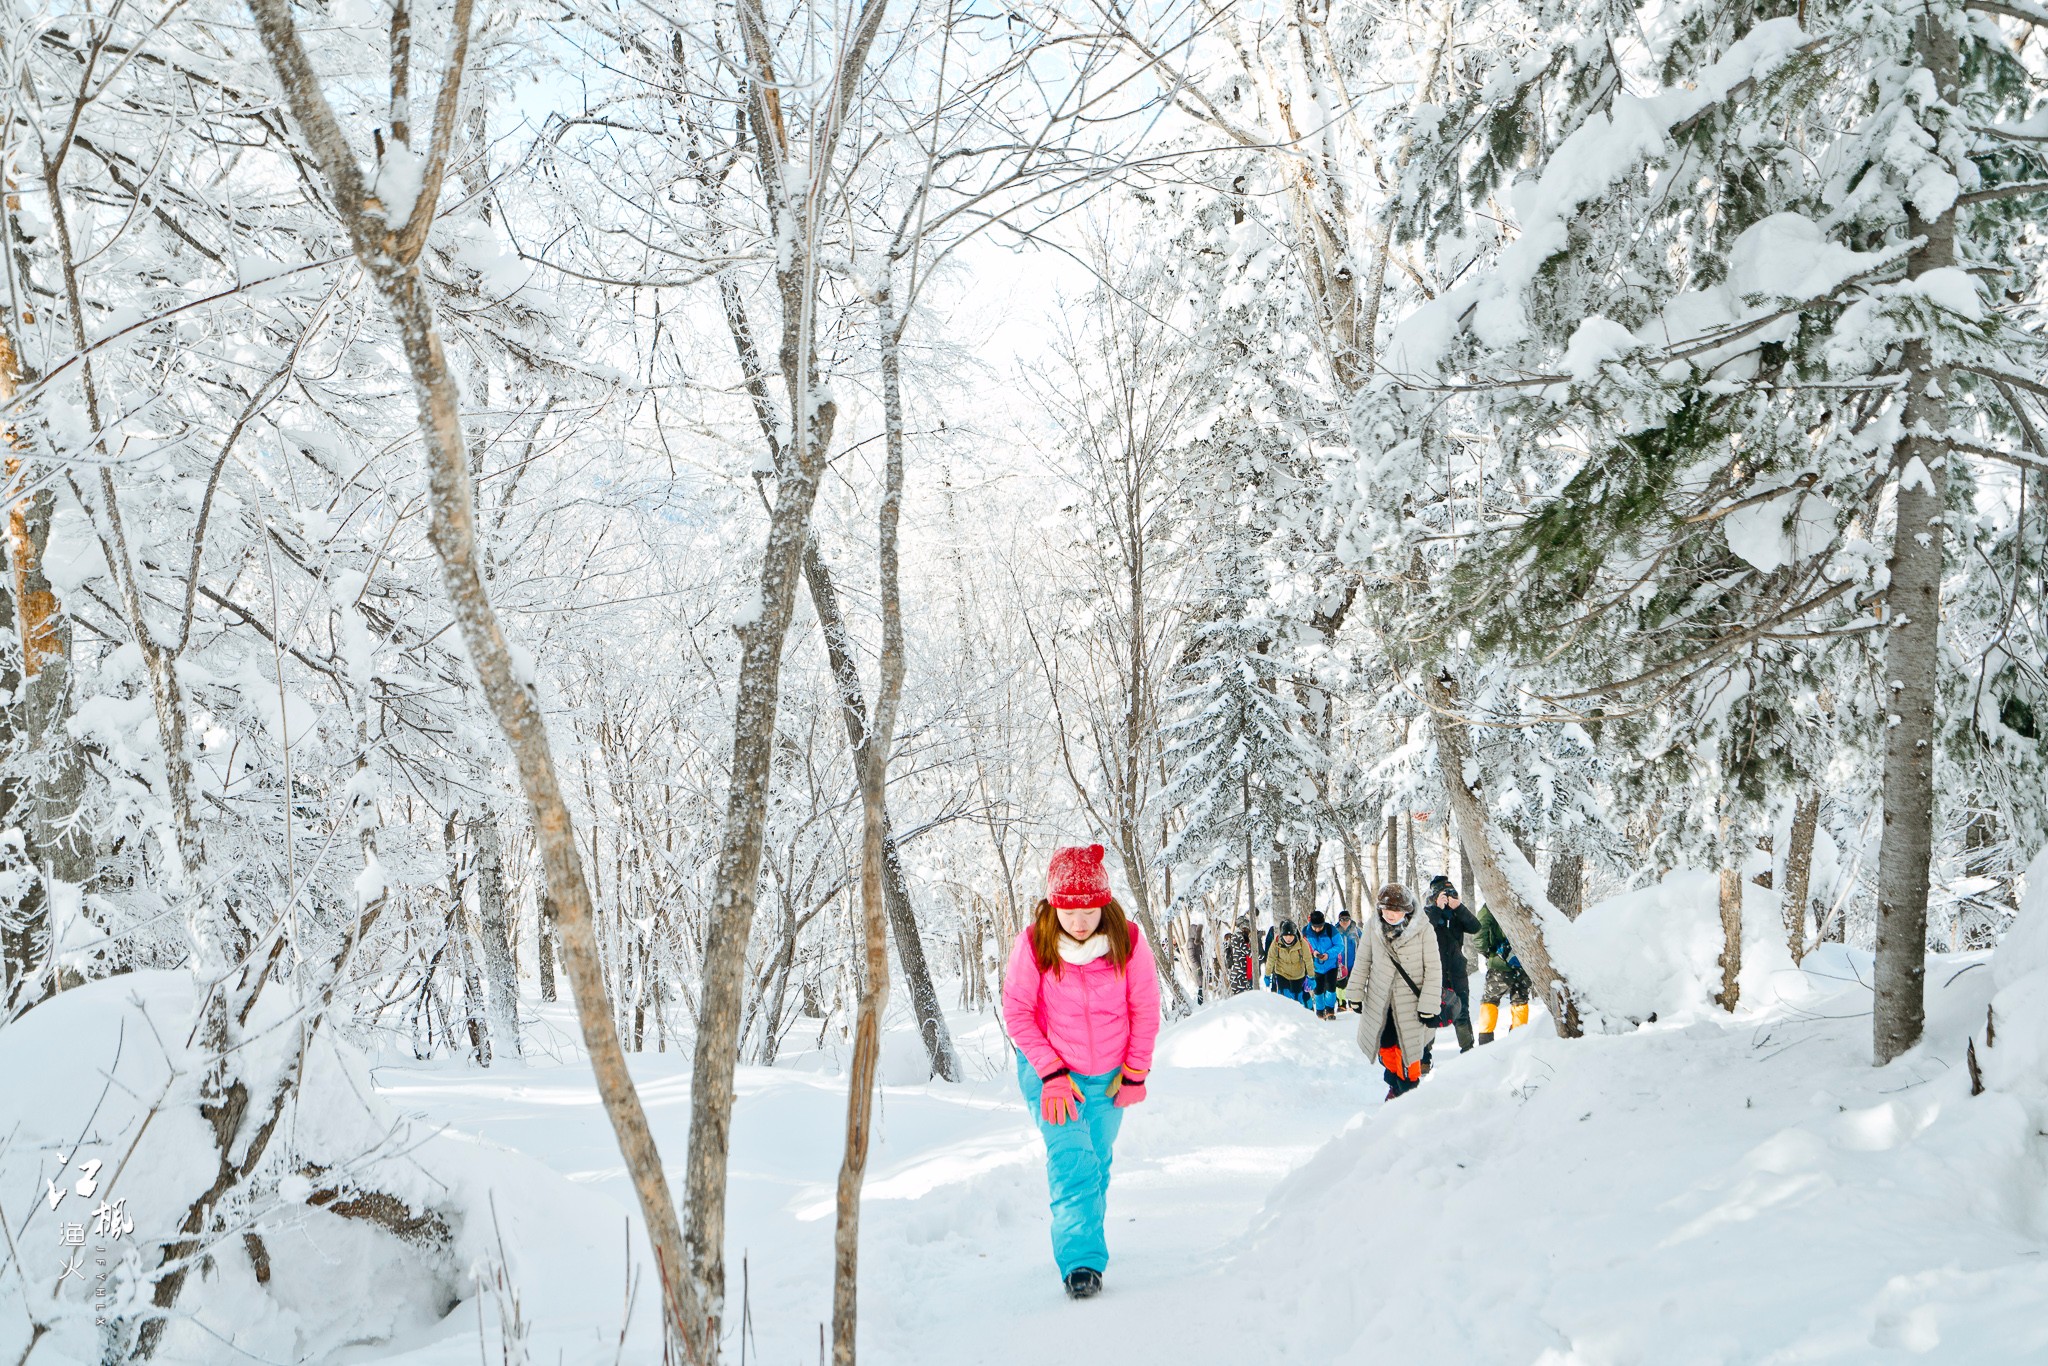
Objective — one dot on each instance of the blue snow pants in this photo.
(1326, 990)
(1077, 1157)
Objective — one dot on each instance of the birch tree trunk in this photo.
(1912, 649)
(1731, 933)
(493, 925)
(874, 777)
(812, 414)
(388, 256)
(853, 709)
(1799, 872)
(1507, 881)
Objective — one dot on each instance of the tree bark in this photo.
(544, 935)
(492, 924)
(812, 416)
(853, 710)
(1501, 869)
(874, 779)
(389, 259)
(1567, 888)
(1799, 872)
(1912, 649)
(1731, 934)
(1393, 850)
(1278, 891)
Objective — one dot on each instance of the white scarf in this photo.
(1086, 951)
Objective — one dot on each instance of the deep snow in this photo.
(1704, 1189)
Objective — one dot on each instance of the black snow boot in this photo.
(1083, 1283)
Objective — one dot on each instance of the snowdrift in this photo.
(1656, 952)
(2012, 1042)
(360, 1229)
(1724, 1191)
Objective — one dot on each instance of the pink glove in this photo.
(1060, 1101)
(1130, 1089)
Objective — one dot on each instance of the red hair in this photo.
(1046, 931)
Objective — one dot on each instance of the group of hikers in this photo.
(1317, 967)
(1081, 1007)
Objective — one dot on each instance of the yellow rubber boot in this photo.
(1519, 1015)
(1489, 1016)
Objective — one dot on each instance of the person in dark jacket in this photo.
(1504, 978)
(1326, 949)
(1453, 920)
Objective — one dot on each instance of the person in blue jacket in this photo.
(1326, 949)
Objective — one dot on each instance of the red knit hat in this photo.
(1076, 880)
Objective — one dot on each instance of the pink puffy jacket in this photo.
(1088, 1018)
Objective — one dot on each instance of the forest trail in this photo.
(1595, 1202)
(956, 1263)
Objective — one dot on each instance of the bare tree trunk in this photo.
(1303, 866)
(874, 778)
(853, 710)
(544, 936)
(497, 940)
(1141, 906)
(1731, 933)
(1799, 871)
(388, 257)
(1912, 650)
(1567, 888)
(57, 842)
(1393, 849)
(1507, 881)
(1351, 888)
(1278, 891)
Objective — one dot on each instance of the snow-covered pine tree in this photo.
(1733, 341)
(1239, 770)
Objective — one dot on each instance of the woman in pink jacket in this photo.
(1081, 1003)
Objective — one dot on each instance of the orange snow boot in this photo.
(1520, 1015)
(1489, 1016)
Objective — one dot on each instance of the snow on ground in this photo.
(1731, 1190)
(956, 1258)
(1704, 1189)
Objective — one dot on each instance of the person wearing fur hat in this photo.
(1397, 984)
(1289, 964)
(1081, 1005)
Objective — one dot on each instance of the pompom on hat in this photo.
(1076, 880)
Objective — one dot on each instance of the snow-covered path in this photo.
(955, 1255)
(1711, 1191)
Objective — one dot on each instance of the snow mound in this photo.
(1253, 1030)
(2013, 1048)
(1656, 952)
(357, 1229)
(1740, 1190)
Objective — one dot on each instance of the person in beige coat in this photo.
(1397, 986)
